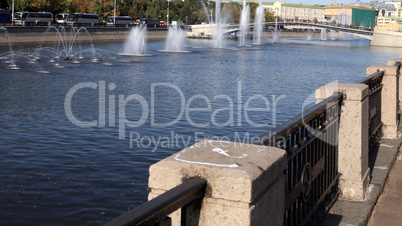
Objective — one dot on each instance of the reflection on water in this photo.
(56, 172)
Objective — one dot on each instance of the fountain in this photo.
(309, 35)
(259, 19)
(361, 27)
(346, 36)
(175, 39)
(136, 41)
(57, 46)
(12, 64)
(342, 35)
(244, 23)
(323, 34)
(332, 34)
(66, 45)
(219, 27)
(210, 19)
(275, 34)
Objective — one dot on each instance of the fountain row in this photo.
(67, 44)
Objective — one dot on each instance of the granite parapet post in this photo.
(389, 98)
(353, 137)
(245, 183)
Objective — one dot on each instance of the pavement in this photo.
(387, 211)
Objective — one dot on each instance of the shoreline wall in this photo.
(386, 39)
(35, 35)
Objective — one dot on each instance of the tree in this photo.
(81, 6)
(124, 7)
(57, 6)
(269, 15)
(31, 5)
(104, 8)
(175, 8)
(232, 12)
(138, 8)
(253, 10)
(192, 10)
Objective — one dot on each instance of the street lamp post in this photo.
(167, 16)
(12, 13)
(114, 14)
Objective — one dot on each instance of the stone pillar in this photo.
(389, 99)
(396, 62)
(353, 137)
(245, 183)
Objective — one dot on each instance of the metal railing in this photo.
(333, 23)
(156, 210)
(311, 142)
(374, 83)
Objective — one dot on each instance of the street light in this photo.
(167, 22)
(12, 13)
(114, 14)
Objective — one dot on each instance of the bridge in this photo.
(208, 29)
(378, 37)
(324, 25)
(235, 28)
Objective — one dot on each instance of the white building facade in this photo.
(298, 12)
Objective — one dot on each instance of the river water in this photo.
(77, 142)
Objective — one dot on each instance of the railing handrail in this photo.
(375, 75)
(158, 208)
(297, 121)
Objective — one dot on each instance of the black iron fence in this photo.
(374, 83)
(156, 211)
(311, 141)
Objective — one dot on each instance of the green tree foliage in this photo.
(232, 12)
(175, 8)
(189, 11)
(57, 6)
(137, 9)
(253, 10)
(105, 8)
(30, 5)
(157, 9)
(269, 15)
(179, 10)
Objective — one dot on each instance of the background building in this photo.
(351, 15)
(296, 11)
(388, 14)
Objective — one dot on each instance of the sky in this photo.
(320, 2)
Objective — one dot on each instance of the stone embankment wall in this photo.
(35, 35)
(386, 38)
